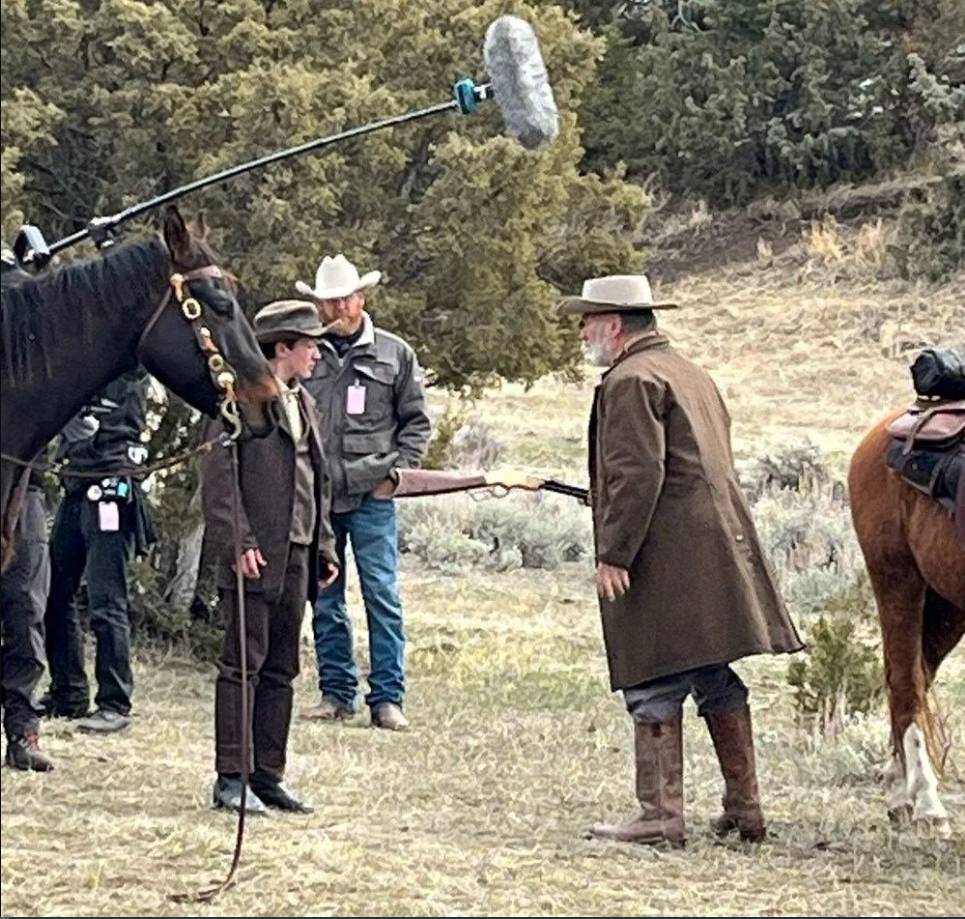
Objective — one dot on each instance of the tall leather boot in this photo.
(660, 789)
(734, 743)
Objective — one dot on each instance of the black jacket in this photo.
(118, 414)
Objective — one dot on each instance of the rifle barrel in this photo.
(564, 488)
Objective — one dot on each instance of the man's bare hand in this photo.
(251, 563)
(329, 572)
(611, 581)
(384, 490)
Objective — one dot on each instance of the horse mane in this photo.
(64, 303)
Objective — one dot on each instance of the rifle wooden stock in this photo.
(414, 483)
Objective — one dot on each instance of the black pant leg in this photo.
(109, 555)
(23, 599)
(64, 637)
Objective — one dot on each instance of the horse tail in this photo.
(932, 720)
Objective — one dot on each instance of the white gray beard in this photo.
(597, 354)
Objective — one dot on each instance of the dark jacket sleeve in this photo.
(217, 497)
(326, 535)
(414, 427)
(632, 441)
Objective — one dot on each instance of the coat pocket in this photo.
(379, 381)
(367, 460)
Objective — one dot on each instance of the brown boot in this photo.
(388, 715)
(734, 743)
(660, 789)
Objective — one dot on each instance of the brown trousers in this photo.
(273, 629)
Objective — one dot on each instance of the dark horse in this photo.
(917, 570)
(67, 334)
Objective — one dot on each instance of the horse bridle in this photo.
(222, 374)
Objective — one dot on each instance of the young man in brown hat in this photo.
(287, 553)
(683, 583)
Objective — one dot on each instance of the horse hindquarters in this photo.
(896, 582)
(900, 590)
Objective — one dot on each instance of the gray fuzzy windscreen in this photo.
(520, 84)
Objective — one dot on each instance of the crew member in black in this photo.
(23, 596)
(101, 524)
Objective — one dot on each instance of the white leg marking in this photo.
(920, 780)
(899, 800)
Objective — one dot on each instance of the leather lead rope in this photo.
(206, 896)
(62, 470)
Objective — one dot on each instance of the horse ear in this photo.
(176, 234)
(198, 227)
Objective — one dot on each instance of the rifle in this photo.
(416, 483)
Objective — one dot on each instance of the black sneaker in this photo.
(48, 706)
(24, 753)
(104, 721)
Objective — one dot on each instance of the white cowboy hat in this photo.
(337, 277)
(613, 293)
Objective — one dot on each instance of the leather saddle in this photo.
(928, 450)
(930, 425)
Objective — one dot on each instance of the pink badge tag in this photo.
(108, 517)
(355, 400)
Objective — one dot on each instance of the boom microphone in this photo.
(519, 86)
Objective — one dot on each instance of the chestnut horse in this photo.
(68, 333)
(917, 569)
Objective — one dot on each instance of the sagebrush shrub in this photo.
(840, 675)
(529, 531)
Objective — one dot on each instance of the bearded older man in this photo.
(683, 583)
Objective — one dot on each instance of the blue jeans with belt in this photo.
(372, 529)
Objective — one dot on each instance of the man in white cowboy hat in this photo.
(683, 583)
(368, 388)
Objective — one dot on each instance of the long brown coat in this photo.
(668, 507)
(267, 474)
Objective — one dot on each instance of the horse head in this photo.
(188, 353)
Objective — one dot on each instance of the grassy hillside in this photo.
(517, 746)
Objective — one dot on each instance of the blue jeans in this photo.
(375, 544)
(715, 688)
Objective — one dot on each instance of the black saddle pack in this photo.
(939, 374)
(928, 441)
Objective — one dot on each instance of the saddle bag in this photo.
(934, 473)
(939, 374)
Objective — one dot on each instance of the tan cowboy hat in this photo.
(613, 293)
(337, 277)
(287, 319)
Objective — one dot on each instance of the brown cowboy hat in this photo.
(287, 319)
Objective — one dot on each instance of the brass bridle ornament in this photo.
(222, 374)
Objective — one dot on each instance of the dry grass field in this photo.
(516, 745)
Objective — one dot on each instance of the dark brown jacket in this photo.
(668, 507)
(267, 474)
